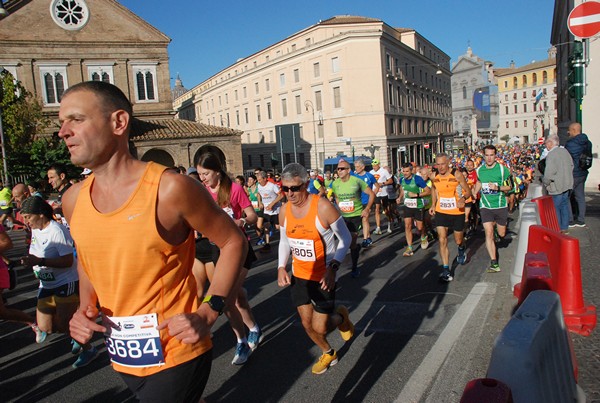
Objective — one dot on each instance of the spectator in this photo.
(558, 179)
(578, 142)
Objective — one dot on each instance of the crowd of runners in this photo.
(171, 250)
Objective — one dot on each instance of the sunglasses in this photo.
(342, 169)
(294, 189)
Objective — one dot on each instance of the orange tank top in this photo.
(133, 270)
(446, 192)
(306, 243)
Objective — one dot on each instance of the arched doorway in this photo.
(208, 148)
(159, 156)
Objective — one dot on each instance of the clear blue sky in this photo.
(207, 36)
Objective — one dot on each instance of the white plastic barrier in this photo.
(535, 190)
(532, 354)
(528, 216)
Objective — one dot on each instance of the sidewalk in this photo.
(587, 349)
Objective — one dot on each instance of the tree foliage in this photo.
(28, 151)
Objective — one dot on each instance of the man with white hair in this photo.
(558, 179)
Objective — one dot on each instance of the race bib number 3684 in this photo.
(134, 341)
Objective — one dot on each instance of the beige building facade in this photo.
(49, 45)
(528, 102)
(563, 40)
(350, 85)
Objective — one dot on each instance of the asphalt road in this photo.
(417, 339)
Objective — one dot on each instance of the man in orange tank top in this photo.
(448, 206)
(133, 225)
(309, 226)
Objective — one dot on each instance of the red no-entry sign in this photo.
(584, 20)
(541, 140)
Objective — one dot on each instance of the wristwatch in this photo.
(216, 303)
(335, 265)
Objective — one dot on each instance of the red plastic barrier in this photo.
(487, 390)
(536, 276)
(547, 212)
(565, 266)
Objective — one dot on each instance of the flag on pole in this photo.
(539, 96)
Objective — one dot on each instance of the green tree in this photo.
(505, 138)
(28, 151)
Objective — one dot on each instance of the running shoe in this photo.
(346, 328)
(75, 347)
(377, 231)
(446, 276)
(462, 256)
(408, 251)
(579, 224)
(254, 339)
(367, 242)
(424, 242)
(40, 335)
(260, 242)
(85, 357)
(325, 361)
(494, 268)
(355, 272)
(389, 230)
(242, 352)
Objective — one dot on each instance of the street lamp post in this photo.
(309, 104)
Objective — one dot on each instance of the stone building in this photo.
(346, 85)
(50, 45)
(474, 100)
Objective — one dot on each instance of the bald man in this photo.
(578, 143)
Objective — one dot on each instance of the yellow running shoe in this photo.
(325, 361)
(346, 328)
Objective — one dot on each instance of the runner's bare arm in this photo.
(371, 195)
(463, 182)
(185, 204)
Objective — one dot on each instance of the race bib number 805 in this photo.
(303, 249)
(134, 341)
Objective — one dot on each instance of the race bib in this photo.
(411, 203)
(447, 203)
(255, 204)
(133, 341)
(485, 189)
(346, 206)
(229, 211)
(303, 249)
(44, 275)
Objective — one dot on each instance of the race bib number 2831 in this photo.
(134, 341)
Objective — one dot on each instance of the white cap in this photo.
(86, 171)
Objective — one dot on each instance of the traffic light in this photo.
(575, 75)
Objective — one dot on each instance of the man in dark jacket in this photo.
(577, 143)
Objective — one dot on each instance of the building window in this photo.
(316, 70)
(258, 113)
(506, 97)
(524, 78)
(237, 117)
(335, 65)
(339, 129)
(505, 83)
(534, 79)
(320, 131)
(399, 96)
(524, 94)
(145, 82)
(101, 73)
(392, 128)
(400, 126)
(267, 84)
(337, 100)
(282, 80)
(318, 101)
(298, 105)
(284, 107)
(516, 109)
(235, 94)
(507, 125)
(269, 111)
(296, 75)
(388, 62)
(256, 88)
(246, 114)
(408, 99)
(220, 103)
(391, 93)
(464, 89)
(524, 123)
(516, 124)
(54, 79)
(524, 108)
(71, 15)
